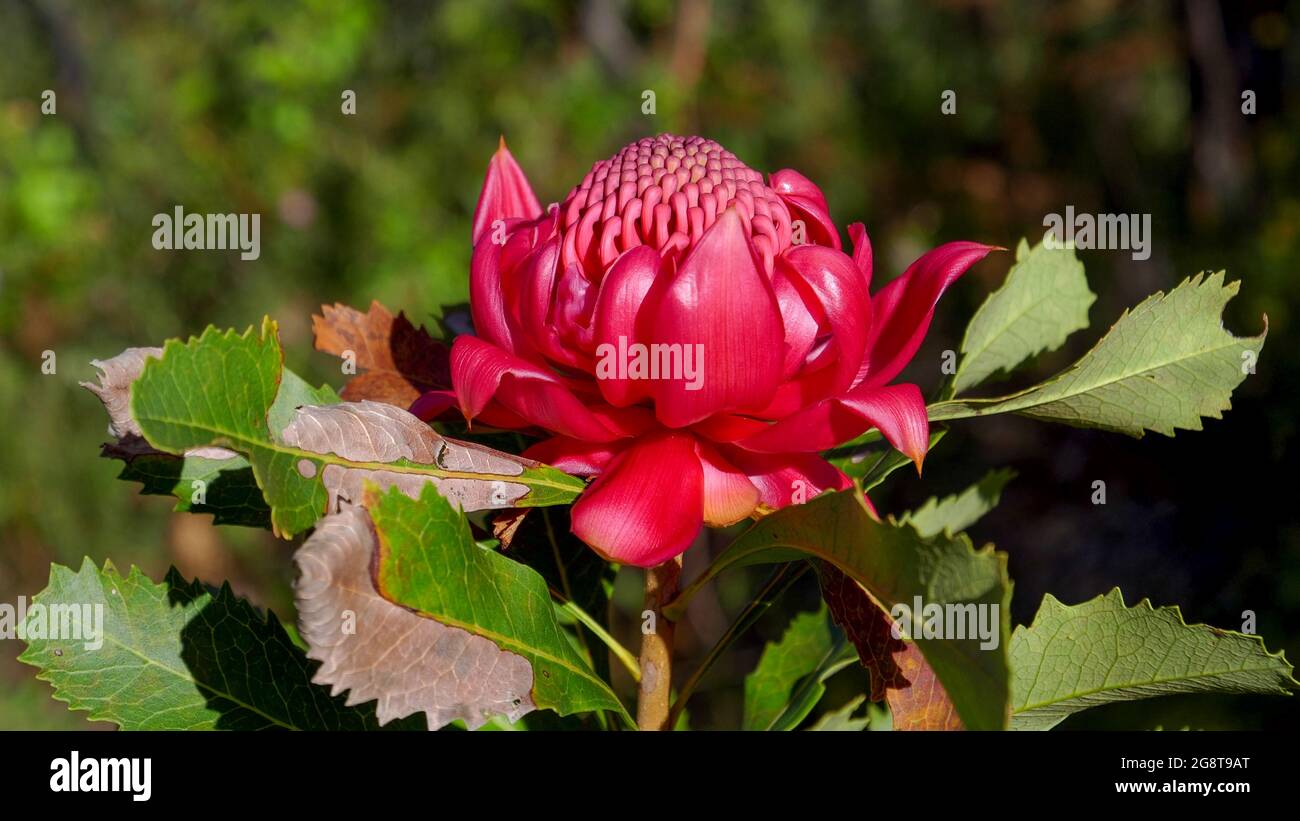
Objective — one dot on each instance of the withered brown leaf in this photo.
(375, 649)
(899, 672)
(400, 360)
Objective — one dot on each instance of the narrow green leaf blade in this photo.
(176, 656)
(1099, 652)
(809, 691)
(1045, 299)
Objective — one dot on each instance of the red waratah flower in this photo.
(674, 253)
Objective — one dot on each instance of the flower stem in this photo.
(652, 709)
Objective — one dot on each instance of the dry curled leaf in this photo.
(505, 525)
(378, 650)
(114, 389)
(400, 361)
(374, 432)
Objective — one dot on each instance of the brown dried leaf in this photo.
(923, 704)
(506, 524)
(401, 361)
(899, 672)
(114, 390)
(375, 432)
(408, 663)
(114, 387)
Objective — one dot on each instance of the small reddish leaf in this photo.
(401, 361)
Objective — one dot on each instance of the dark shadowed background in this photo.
(1105, 105)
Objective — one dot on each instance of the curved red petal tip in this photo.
(506, 193)
(862, 254)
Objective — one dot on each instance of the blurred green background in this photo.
(235, 107)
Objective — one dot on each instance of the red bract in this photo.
(673, 247)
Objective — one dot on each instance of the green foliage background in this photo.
(235, 107)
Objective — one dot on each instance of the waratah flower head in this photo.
(688, 334)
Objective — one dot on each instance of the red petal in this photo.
(492, 272)
(486, 305)
(647, 506)
(573, 456)
(807, 202)
(819, 426)
(431, 404)
(728, 495)
(798, 322)
(904, 307)
(897, 410)
(496, 416)
(630, 421)
(784, 478)
(861, 251)
(790, 397)
(481, 371)
(726, 427)
(720, 309)
(837, 285)
(621, 294)
(533, 282)
(506, 194)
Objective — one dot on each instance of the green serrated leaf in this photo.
(1163, 366)
(1045, 299)
(953, 514)
(229, 490)
(177, 656)
(428, 562)
(799, 652)
(224, 389)
(810, 689)
(894, 564)
(843, 719)
(1098, 652)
